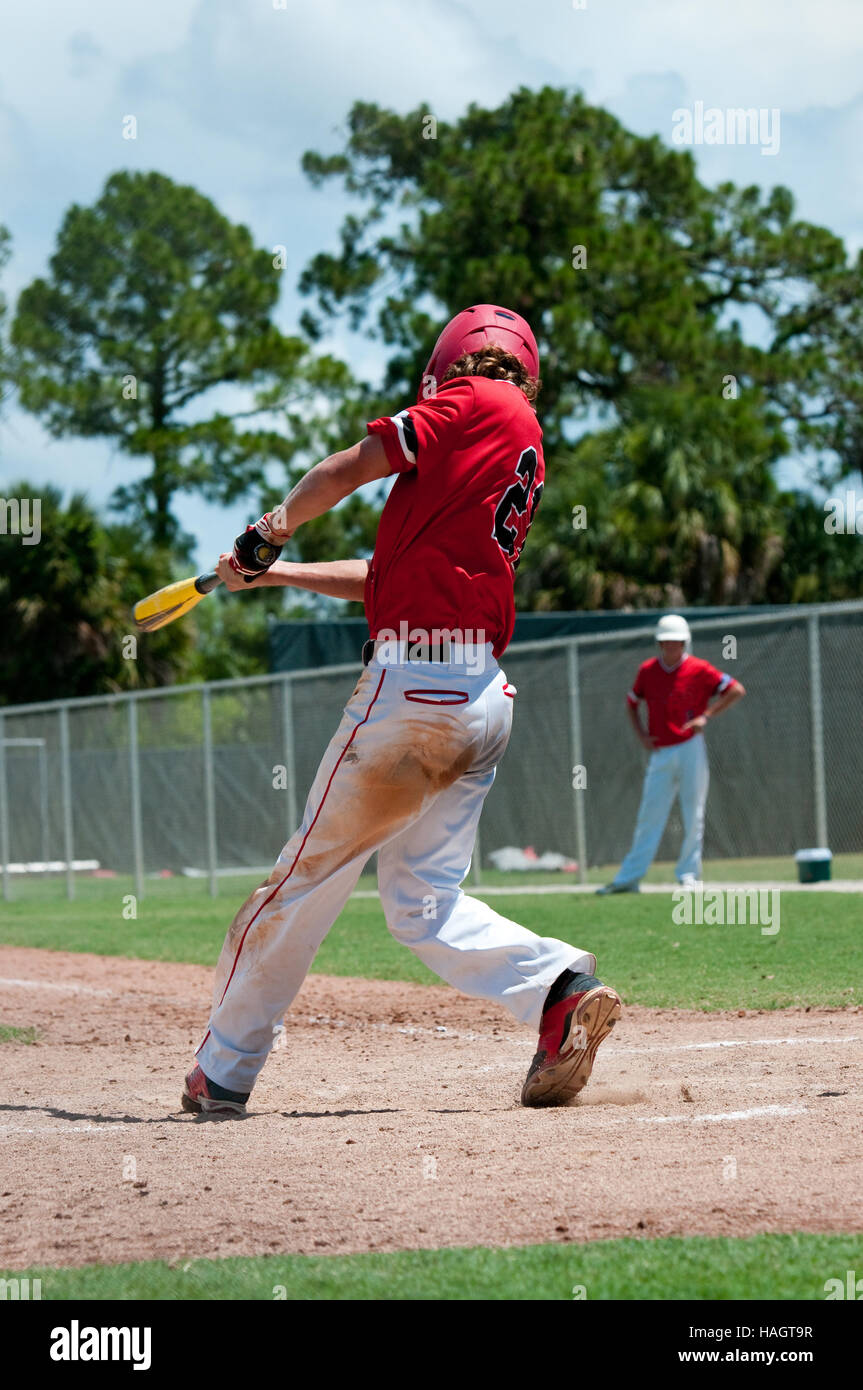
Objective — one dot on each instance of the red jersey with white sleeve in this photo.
(673, 697)
(471, 476)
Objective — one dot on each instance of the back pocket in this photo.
(437, 697)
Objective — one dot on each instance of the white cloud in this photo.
(229, 93)
(772, 52)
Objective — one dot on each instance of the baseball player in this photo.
(677, 689)
(414, 756)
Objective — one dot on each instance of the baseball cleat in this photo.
(570, 1031)
(617, 888)
(204, 1097)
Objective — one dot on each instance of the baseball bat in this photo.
(175, 600)
(172, 602)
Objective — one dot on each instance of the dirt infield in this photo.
(390, 1120)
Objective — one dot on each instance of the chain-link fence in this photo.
(211, 779)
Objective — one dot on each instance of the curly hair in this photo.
(500, 365)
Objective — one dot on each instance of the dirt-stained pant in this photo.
(405, 774)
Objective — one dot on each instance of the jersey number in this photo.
(515, 510)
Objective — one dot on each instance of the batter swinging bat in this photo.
(173, 601)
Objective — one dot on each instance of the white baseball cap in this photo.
(672, 628)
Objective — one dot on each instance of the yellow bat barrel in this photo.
(175, 600)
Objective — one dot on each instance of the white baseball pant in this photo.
(679, 770)
(405, 774)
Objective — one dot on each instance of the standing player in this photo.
(676, 688)
(414, 756)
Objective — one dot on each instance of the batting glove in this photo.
(256, 549)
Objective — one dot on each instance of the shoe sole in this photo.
(214, 1109)
(591, 1022)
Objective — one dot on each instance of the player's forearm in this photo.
(643, 735)
(334, 578)
(328, 483)
(724, 701)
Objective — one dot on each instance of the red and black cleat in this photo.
(570, 1031)
(203, 1096)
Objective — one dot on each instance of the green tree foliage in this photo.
(5, 366)
(818, 566)
(660, 413)
(155, 300)
(65, 606)
(232, 629)
(231, 632)
(677, 501)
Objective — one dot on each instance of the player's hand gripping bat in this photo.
(253, 556)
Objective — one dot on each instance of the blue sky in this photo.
(229, 93)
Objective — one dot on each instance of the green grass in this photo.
(757, 1267)
(9, 1033)
(651, 960)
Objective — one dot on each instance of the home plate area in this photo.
(388, 1118)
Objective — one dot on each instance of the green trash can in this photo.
(813, 865)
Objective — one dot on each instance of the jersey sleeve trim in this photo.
(398, 436)
(407, 435)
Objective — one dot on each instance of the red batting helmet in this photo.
(471, 330)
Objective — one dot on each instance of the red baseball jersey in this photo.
(675, 696)
(471, 475)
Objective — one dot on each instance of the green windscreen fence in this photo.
(307, 646)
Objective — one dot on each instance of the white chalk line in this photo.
(66, 1130)
(89, 990)
(531, 890)
(51, 984)
(442, 1032)
(753, 1113)
(729, 1042)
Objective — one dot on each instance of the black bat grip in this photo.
(206, 583)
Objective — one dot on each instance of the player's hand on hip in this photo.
(696, 724)
(229, 575)
(648, 742)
